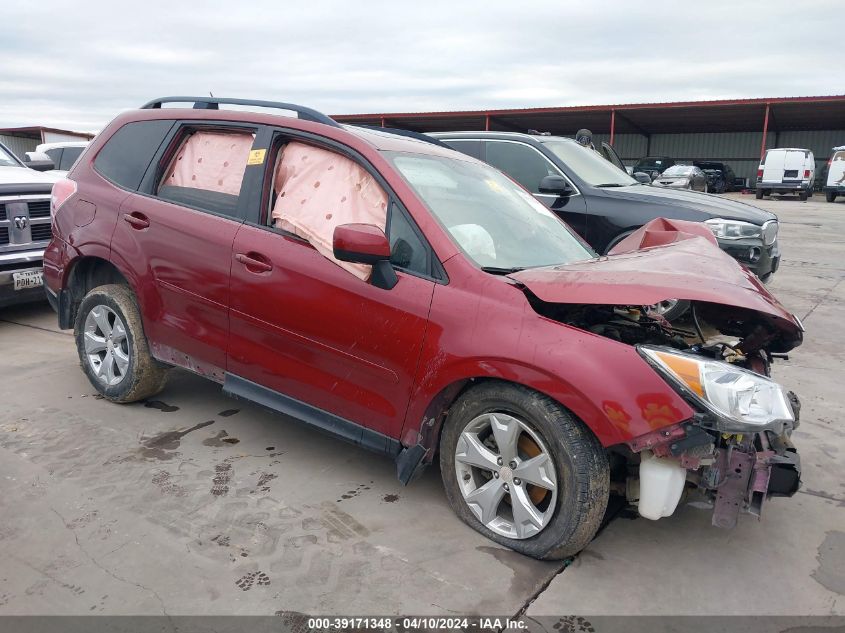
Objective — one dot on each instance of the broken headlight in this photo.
(742, 401)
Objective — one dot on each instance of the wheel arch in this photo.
(425, 429)
(86, 273)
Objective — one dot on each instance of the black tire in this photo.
(758, 194)
(830, 196)
(676, 311)
(144, 376)
(581, 467)
(802, 196)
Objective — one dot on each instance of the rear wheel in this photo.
(830, 196)
(522, 471)
(113, 350)
(802, 196)
(758, 194)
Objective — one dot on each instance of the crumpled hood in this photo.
(674, 260)
(26, 176)
(709, 206)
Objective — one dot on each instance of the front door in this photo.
(303, 326)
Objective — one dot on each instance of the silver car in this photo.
(682, 177)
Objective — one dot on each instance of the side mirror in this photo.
(642, 177)
(38, 161)
(555, 184)
(365, 244)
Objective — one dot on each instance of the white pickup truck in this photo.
(25, 226)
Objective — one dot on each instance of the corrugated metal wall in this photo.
(19, 145)
(741, 150)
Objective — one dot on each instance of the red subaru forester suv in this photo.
(417, 302)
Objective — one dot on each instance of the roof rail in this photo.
(400, 132)
(212, 103)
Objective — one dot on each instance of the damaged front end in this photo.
(736, 449)
(736, 461)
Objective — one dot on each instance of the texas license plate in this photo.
(28, 279)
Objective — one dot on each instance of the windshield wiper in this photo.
(611, 184)
(495, 270)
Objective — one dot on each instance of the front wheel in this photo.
(112, 347)
(522, 471)
(830, 196)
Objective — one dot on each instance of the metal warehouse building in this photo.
(25, 139)
(735, 131)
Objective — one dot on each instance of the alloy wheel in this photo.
(106, 345)
(507, 475)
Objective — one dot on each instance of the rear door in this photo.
(304, 327)
(773, 168)
(836, 171)
(175, 236)
(528, 166)
(794, 164)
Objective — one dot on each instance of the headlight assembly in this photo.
(742, 401)
(736, 229)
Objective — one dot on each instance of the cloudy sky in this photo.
(77, 63)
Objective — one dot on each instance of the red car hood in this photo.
(685, 263)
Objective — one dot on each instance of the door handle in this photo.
(136, 220)
(254, 262)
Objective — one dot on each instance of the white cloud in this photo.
(78, 68)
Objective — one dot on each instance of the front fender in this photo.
(606, 384)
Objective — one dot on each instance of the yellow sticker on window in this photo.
(256, 156)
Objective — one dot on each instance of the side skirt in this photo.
(324, 421)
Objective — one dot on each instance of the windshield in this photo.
(650, 163)
(6, 158)
(492, 219)
(678, 170)
(588, 165)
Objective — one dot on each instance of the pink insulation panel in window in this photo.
(318, 190)
(214, 161)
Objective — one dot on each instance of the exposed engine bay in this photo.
(736, 469)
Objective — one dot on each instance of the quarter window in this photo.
(521, 162)
(128, 153)
(407, 249)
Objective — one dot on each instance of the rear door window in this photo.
(207, 170)
(126, 156)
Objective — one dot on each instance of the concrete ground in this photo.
(197, 504)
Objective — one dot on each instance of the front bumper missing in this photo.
(737, 472)
(746, 477)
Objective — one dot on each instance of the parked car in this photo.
(720, 176)
(24, 229)
(653, 165)
(63, 154)
(682, 177)
(786, 170)
(419, 303)
(604, 205)
(835, 181)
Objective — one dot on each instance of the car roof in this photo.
(380, 140)
(41, 147)
(536, 138)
